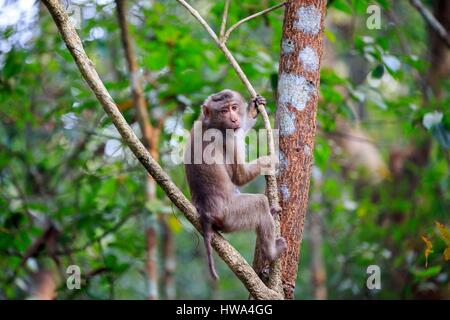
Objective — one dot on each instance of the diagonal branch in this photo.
(224, 20)
(230, 255)
(431, 21)
(271, 181)
(201, 20)
(255, 15)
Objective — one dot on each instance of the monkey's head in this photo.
(224, 110)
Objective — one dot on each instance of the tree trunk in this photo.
(298, 94)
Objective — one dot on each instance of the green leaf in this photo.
(422, 274)
(378, 72)
(360, 6)
(330, 35)
(343, 6)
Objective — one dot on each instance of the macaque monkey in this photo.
(214, 186)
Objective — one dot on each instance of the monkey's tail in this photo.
(207, 237)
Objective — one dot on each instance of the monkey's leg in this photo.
(251, 211)
(271, 248)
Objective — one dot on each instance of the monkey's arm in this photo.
(244, 173)
(252, 110)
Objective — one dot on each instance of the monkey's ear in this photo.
(205, 111)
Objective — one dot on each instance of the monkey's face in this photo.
(228, 114)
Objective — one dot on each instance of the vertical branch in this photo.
(149, 138)
(298, 94)
(200, 19)
(431, 20)
(151, 267)
(318, 270)
(274, 280)
(439, 53)
(136, 86)
(272, 189)
(168, 254)
(224, 20)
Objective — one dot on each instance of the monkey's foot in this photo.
(275, 211)
(264, 274)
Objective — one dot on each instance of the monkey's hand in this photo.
(259, 100)
(253, 110)
(268, 164)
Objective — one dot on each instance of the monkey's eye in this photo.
(234, 107)
(224, 111)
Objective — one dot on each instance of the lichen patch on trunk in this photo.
(308, 20)
(294, 90)
(285, 194)
(283, 161)
(286, 122)
(309, 59)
